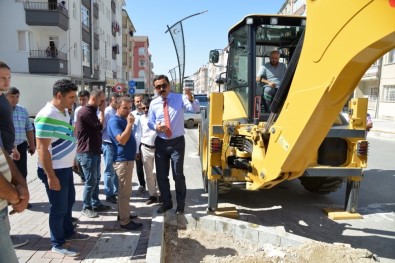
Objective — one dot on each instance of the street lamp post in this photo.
(177, 35)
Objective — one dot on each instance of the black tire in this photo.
(190, 123)
(321, 185)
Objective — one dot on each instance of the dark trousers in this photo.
(22, 162)
(170, 152)
(268, 96)
(61, 204)
(140, 170)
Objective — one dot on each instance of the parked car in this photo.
(191, 119)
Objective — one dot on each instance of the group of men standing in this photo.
(154, 137)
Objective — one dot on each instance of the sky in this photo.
(202, 33)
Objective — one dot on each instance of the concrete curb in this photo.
(156, 238)
(242, 231)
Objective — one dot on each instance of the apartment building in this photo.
(46, 40)
(142, 65)
(377, 84)
(128, 31)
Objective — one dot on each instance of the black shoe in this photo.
(112, 199)
(179, 211)
(132, 226)
(102, 208)
(29, 206)
(151, 200)
(131, 217)
(74, 219)
(163, 208)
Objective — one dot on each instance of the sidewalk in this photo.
(108, 242)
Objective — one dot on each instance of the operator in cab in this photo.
(270, 75)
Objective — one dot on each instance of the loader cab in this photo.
(250, 43)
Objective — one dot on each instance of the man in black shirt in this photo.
(89, 137)
(6, 122)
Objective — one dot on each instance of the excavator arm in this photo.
(342, 39)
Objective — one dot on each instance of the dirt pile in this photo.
(199, 246)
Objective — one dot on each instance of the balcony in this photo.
(371, 74)
(48, 62)
(87, 72)
(96, 74)
(86, 36)
(86, 3)
(46, 14)
(96, 10)
(96, 41)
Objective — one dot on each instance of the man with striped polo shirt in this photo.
(56, 149)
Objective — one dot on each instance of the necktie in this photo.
(167, 117)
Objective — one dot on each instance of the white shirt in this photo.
(145, 134)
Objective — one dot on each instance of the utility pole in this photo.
(177, 35)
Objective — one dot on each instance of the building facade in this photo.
(50, 39)
(128, 31)
(142, 66)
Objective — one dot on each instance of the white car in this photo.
(191, 119)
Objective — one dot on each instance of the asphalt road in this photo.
(288, 207)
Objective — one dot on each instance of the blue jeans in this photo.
(110, 178)
(7, 252)
(90, 164)
(61, 205)
(173, 151)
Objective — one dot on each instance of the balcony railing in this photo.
(46, 14)
(96, 41)
(96, 74)
(48, 62)
(48, 54)
(95, 10)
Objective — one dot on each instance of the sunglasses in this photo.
(144, 108)
(161, 86)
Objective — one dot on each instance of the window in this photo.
(85, 54)
(55, 40)
(389, 93)
(75, 51)
(74, 11)
(85, 16)
(391, 56)
(142, 63)
(373, 93)
(141, 74)
(140, 85)
(141, 51)
(23, 40)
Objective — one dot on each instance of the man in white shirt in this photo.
(147, 137)
(137, 113)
